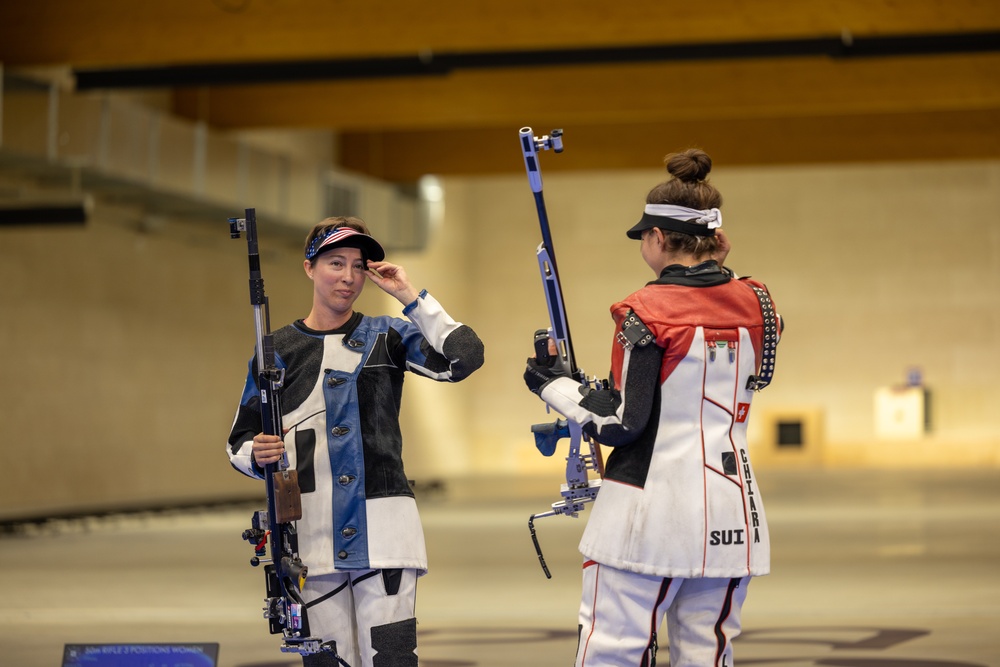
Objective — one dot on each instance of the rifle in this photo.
(284, 574)
(579, 489)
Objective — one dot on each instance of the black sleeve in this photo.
(640, 391)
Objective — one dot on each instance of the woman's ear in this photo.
(658, 236)
(307, 265)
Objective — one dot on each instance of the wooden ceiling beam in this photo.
(930, 135)
(111, 33)
(756, 111)
(658, 92)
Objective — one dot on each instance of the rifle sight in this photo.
(544, 143)
(237, 225)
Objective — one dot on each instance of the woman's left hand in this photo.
(392, 279)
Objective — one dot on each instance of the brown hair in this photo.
(326, 226)
(688, 187)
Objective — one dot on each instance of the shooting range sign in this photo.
(140, 655)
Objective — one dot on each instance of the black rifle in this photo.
(284, 574)
(579, 489)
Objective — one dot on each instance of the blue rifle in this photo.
(285, 573)
(579, 489)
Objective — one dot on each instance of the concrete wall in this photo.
(125, 350)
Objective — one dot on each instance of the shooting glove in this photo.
(538, 374)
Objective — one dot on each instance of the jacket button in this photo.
(342, 555)
(349, 532)
(340, 430)
(345, 479)
(355, 343)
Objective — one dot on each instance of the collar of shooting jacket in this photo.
(705, 274)
(347, 328)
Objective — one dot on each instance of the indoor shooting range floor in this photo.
(869, 569)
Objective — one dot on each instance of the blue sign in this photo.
(140, 655)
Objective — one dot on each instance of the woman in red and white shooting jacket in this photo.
(678, 528)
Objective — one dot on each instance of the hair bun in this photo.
(689, 166)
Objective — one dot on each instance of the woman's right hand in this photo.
(267, 449)
(723, 249)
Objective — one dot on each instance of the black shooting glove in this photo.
(538, 374)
